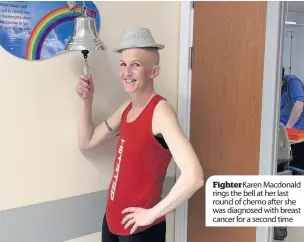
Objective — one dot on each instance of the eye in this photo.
(136, 64)
(122, 64)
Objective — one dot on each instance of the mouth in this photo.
(130, 80)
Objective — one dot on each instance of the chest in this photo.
(137, 120)
(134, 114)
(135, 138)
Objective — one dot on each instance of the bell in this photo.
(85, 35)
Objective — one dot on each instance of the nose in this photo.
(128, 72)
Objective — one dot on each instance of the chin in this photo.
(131, 87)
(131, 91)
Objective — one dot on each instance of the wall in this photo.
(50, 191)
(294, 52)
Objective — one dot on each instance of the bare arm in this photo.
(295, 114)
(192, 176)
(88, 136)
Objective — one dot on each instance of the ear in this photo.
(155, 71)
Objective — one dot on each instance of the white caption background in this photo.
(234, 201)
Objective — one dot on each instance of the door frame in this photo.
(183, 106)
(273, 59)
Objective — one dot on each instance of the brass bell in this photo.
(85, 35)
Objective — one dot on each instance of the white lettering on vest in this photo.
(114, 182)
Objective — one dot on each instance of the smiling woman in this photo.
(39, 128)
(134, 204)
(137, 65)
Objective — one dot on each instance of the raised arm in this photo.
(89, 136)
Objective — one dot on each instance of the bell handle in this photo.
(86, 64)
(86, 70)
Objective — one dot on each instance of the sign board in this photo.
(38, 30)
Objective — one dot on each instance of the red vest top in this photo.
(140, 168)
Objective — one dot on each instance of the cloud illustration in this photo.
(51, 45)
(15, 34)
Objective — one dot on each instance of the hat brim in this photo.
(157, 46)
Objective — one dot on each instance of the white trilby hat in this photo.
(137, 38)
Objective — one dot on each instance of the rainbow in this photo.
(45, 26)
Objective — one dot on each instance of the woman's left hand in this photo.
(138, 217)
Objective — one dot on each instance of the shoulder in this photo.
(119, 112)
(165, 122)
(294, 82)
(125, 105)
(164, 109)
(291, 79)
(164, 115)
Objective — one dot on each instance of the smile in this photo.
(130, 80)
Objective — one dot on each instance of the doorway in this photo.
(232, 106)
(293, 60)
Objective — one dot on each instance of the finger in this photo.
(83, 94)
(127, 217)
(84, 89)
(85, 78)
(88, 88)
(129, 210)
(80, 90)
(130, 222)
(84, 83)
(133, 228)
(80, 94)
(90, 81)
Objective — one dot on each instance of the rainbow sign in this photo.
(44, 27)
(39, 30)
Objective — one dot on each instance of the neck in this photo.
(140, 100)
